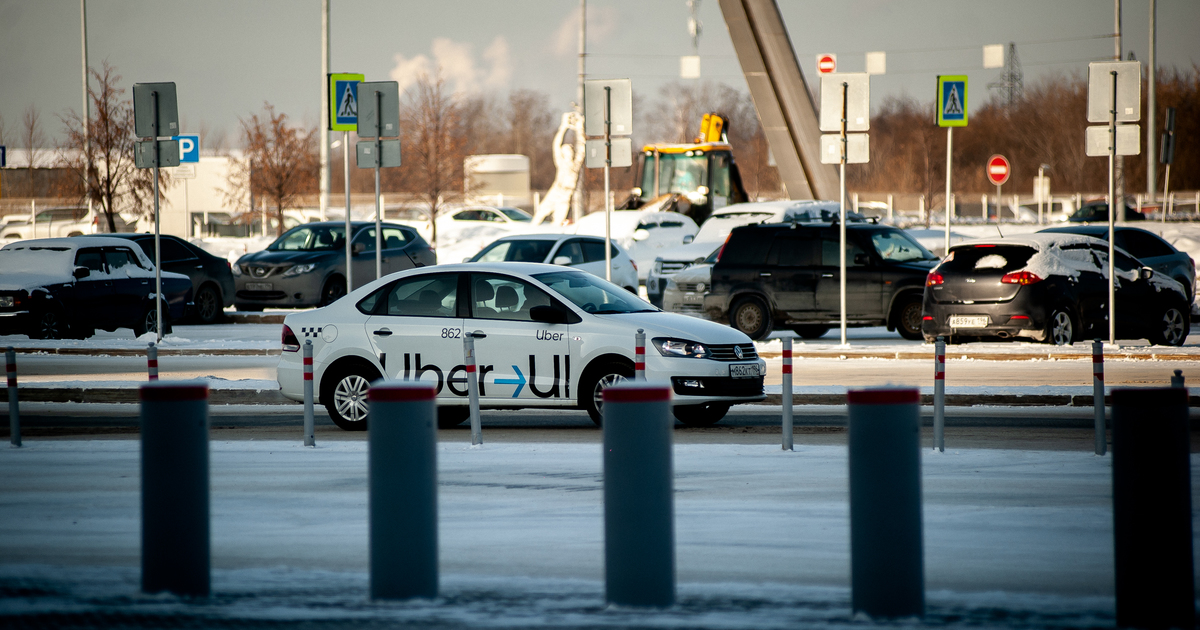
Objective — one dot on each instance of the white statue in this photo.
(568, 160)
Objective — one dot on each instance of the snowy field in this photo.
(1013, 539)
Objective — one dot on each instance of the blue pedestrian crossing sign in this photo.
(343, 101)
(952, 100)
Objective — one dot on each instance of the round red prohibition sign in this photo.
(827, 64)
(998, 169)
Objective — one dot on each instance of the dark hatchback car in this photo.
(787, 275)
(307, 265)
(1145, 246)
(1097, 212)
(1052, 288)
(57, 288)
(212, 276)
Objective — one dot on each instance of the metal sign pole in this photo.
(607, 166)
(949, 173)
(1112, 213)
(842, 215)
(346, 166)
(378, 163)
(157, 241)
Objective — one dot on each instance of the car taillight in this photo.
(1020, 277)
(290, 342)
(634, 263)
(934, 278)
(720, 253)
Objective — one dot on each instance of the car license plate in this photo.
(744, 371)
(693, 298)
(258, 286)
(968, 321)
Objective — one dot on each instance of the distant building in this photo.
(497, 179)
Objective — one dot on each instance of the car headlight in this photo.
(680, 348)
(296, 270)
(235, 269)
(669, 283)
(6, 301)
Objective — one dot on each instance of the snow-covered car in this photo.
(555, 338)
(581, 252)
(55, 288)
(49, 223)
(644, 233)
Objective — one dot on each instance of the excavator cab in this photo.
(694, 179)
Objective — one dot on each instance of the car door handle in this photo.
(383, 332)
(764, 275)
(826, 275)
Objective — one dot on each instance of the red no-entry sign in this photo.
(998, 169)
(826, 63)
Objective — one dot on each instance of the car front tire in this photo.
(208, 305)
(751, 316)
(148, 322)
(1060, 327)
(1173, 328)
(344, 394)
(50, 324)
(908, 318)
(594, 384)
(704, 415)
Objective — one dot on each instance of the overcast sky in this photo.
(229, 56)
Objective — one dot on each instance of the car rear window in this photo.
(988, 258)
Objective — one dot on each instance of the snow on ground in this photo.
(1012, 539)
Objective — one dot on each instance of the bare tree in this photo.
(280, 162)
(437, 147)
(105, 166)
(33, 140)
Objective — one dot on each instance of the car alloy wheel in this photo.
(350, 398)
(596, 381)
(750, 315)
(208, 305)
(908, 320)
(50, 325)
(1061, 330)
(1173, 328)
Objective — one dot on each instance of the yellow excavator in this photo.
(695, 178)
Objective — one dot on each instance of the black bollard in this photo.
(402, 480)
(887, 568)
(1152, 508)
(175, 518)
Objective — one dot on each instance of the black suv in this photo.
(786, 275)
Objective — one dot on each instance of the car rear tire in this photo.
(344, 394)
(50, 324)
(751, 316)
(1060, 327)
(1172, 328)
(908, 318)
(334, 289)
(704, 415)
(450, 417)
(148, 322)
(810, 332)
(595, 381)
(208, 305)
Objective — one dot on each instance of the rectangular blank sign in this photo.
(378, 113)
(858, 101)
(1128, 140)
(621, 114)
(1100, 91)
(622, 153)
(857, 148)
(387, 155)
(143, 110)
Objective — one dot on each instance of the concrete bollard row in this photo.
(788, 419)
(175, 488)
(1101, 431)
(469, 362)
(152, 361)
(639, 506)
(402, 479)
(939, 395)
(14, 405)
(639, 355)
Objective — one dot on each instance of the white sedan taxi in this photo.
(554, 337)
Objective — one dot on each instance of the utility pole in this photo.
(87, 138)
(325, 175)
(577, 198)
(1151, 117)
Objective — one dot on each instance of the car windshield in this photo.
(516, 214)
(677, 173)
(39, 260)
(515, 251)
(899, 247)
(592, 294)
(310, 238)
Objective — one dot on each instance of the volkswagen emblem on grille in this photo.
(258, 271)
(737, 352)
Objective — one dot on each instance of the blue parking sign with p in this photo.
(189, 148)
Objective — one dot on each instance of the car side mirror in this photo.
(689, 238)
(562, 260)
(547, 315)
(358, 248)
(81, 272)
(1145, 273)
(862, 259)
